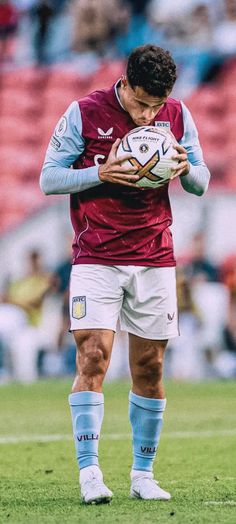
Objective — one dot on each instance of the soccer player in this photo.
(123, 261)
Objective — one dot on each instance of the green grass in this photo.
(39, 480)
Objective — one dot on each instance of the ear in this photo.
(124, 81)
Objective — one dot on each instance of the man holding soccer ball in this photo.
(123, 261)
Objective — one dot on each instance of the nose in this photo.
(148, 113)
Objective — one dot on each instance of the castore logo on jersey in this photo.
(105, 134)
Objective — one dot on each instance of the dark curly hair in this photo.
(151, 68)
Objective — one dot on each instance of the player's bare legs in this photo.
(147, 405)
(93, 356)
(87, 407)
(146, 359)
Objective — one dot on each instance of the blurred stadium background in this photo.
(52, 52)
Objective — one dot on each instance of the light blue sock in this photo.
(87, 409)
(146, 417)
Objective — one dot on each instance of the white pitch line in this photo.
(33, 438)
(201, 434)
(9, 439)
(220, 503)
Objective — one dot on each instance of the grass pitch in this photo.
(196, 460)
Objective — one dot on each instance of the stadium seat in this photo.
(16, 130)
(48, 124)
(21, 163)
(31, 78)
(229, 178)
(228, 72)
(59, 78)
(209, 129)
(107, 74)
(15, 102)
(67, 81)
(56, 101)
(205, 101)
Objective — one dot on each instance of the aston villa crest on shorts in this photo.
(78, 307)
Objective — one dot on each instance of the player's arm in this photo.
(193, 172)
(67, 145)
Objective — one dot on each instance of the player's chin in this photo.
(145, 123)
(142, 122)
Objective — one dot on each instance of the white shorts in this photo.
(142, 298)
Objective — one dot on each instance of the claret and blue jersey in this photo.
(115, 224)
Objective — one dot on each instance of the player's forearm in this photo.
(56, 180)
(197, 180)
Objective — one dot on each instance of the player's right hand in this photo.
(113, 171)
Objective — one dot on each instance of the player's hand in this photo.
(113, 171)
(183, 164)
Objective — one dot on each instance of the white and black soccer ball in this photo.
(152, 149)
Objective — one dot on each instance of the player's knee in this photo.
(151, 371)
(95, 362)
(93, 356)
(154, 370)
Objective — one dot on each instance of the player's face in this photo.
(141, 106)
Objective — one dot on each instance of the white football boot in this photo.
(143, 486)
(93, 489)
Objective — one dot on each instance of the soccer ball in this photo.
(152, 150)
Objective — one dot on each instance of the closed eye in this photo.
(154, 108)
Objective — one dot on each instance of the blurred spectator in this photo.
(203, 306)
(13, 323)
(198, 267)
(186, 359)
(24, 6)
(59, 5)
(138, 7)
(96, 22)
(194, 53)
(65, 340)
(8, 26)
(225, 362)
(62, 275)
(23, 51)
(212, 300)
(198, 30)
(29, 291)
(229, 332)
(136, 28)
(225, 31)
(24, 300)
(186, 29)
(42, 13)
(91, 30)
(228, 273)
(186, 22)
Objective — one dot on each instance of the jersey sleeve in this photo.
(197, 180)
(65, 146)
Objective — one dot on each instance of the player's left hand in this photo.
(183, 164)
